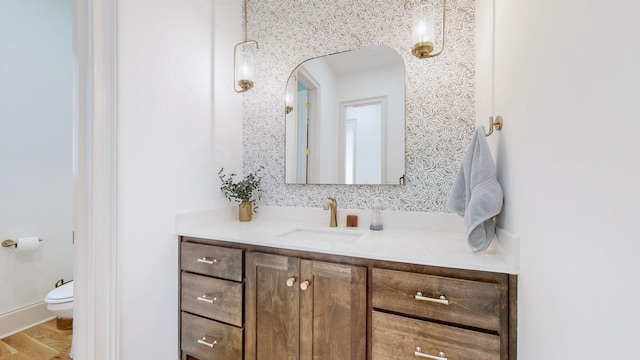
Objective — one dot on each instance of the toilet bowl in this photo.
(60, 301)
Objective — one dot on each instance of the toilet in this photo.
(60, 303)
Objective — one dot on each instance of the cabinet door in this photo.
(272, 307)
(333, 311)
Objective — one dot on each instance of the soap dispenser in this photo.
(376, 215)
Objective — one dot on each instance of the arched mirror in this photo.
(345, 119)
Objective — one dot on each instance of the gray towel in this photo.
(476, 194)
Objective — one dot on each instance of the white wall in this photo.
(567, 85)
(388, 81)
(36, 62)
(172, 140)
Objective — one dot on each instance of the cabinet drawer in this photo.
(213, 298)
(208, 340)
(397, 337)
(470, 303)
(212, 260)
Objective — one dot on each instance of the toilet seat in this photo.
(61, 294)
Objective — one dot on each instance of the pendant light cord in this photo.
(245, 21)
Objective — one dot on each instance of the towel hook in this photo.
(497, 124)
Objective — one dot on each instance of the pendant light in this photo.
(423, 30)
(243, 75)
(290, 94)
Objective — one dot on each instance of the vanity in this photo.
(285, 287)
(272, 289)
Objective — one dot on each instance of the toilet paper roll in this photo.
(27, 244)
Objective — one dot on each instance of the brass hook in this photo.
(494, 124)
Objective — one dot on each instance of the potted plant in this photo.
(246, 191)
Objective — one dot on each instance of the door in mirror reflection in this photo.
(331, 136)
(362, 155)
(302, 147)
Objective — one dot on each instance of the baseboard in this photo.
(18, 320)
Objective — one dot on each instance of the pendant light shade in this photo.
(244, 68)
(423, 30)
(243, 61)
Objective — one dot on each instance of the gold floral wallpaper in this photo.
(440, 116)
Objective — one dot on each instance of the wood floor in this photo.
(43, 342)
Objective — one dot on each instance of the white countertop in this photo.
(419, 238)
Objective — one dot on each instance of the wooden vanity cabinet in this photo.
(304, 309)
(211, 302)
(347, 307)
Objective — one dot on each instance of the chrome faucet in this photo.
(333, 205)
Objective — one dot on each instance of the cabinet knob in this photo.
(291, 281)
(304, 285)
(204, 342)
(207, 260)
(419, 353)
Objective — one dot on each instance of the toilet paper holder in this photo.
(10, 243)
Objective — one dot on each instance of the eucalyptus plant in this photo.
(247, 189)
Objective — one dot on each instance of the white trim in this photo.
(313, 125)
(24, 318)
(95, 300)
(382, 100)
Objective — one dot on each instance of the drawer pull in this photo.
(203, 341)
(207, 260)
(419, 353)
(206, 298)
(442, 300)
(304, 285)
(291, 281)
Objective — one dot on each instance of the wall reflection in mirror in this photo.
(345, 119)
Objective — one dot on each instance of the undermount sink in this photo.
(344, 236)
